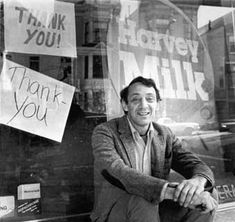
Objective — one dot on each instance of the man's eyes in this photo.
(135, 99)
(148, 99)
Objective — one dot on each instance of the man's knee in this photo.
(172, 211)
(140, 209)
(197, 216)
(134, 208)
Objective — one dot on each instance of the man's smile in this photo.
(143, 113)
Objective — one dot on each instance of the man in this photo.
(132, 160)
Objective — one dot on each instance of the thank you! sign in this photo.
(30, 28)
(33, 102)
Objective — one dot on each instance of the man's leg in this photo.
(172, 211)
(130, 208)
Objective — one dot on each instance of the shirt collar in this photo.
(134, 132)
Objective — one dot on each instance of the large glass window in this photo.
(63, 64)
(34, 63)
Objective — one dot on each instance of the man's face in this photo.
(141, 105)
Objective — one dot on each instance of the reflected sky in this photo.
(210, 13)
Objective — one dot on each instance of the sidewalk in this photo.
(225, 216)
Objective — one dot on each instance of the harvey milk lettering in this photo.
(176, 78)
(43, 27)
(28, 88)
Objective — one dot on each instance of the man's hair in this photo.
(145, 82)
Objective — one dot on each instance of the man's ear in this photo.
(124, 106)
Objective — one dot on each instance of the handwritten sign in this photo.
(40, 30)
(33, 102)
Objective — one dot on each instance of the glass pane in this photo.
(63, 64)
(218, 35)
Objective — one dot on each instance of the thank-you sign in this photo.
(33, 102)
(30, 28)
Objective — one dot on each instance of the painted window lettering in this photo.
(187, 82)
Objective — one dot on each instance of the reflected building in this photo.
(219, 37)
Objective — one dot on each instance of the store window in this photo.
(86, 37)
(95, 32)
(231, 44)
(86, 68)
(63, 64)
(34, 63)
(100, 31)
(98, 67)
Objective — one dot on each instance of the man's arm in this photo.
(190, 165)
(198, 175)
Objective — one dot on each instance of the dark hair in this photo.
(142, 80)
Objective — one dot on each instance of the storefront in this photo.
(63, 64)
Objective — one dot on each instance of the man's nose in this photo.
(143, 102)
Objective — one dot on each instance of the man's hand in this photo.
(188, 191)
(204, 202)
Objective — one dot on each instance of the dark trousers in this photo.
(130, 208)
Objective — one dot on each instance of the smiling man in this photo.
(133, 157)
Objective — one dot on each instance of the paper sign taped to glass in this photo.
(33, 102)
(30, 27)
(7, 206)
(28, 191)
(28, 199)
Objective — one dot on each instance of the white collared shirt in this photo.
(143, 150)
